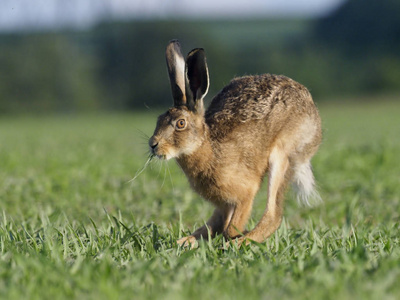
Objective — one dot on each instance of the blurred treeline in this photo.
(355, 50)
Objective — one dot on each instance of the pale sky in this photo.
(19, 14)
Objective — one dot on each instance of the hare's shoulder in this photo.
(246, 98)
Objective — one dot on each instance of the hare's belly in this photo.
(228, 187)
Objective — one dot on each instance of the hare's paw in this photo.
(237, 242)
(188, 241)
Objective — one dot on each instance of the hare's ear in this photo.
(197, 74)
(176, 71)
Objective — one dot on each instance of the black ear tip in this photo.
(175, 42)
(173, 48)
(196, 51)
(196, 55)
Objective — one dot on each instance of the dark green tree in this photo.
(43, 72)
(363, 26)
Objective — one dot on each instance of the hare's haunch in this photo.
(257, 125)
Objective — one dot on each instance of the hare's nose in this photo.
(153, 143)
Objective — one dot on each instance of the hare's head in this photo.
(181, 129)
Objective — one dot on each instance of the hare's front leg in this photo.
(216, 224)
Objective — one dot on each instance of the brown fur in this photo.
(257, 125)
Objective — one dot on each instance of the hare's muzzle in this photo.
(155, 149)
(153, 144)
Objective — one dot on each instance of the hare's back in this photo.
(255, 97)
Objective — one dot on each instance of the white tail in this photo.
(303, 184)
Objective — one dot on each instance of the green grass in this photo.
(72, 225)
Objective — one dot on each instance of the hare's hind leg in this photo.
(277, 182)
(216, 224)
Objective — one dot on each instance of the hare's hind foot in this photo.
(188, 242)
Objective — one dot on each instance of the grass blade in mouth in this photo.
(140, 171)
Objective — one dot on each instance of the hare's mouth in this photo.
(162, 156)
(154, 152)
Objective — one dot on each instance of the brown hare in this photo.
(256, 125)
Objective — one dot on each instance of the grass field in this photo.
(73, 226)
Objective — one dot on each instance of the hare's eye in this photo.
(181, 124)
